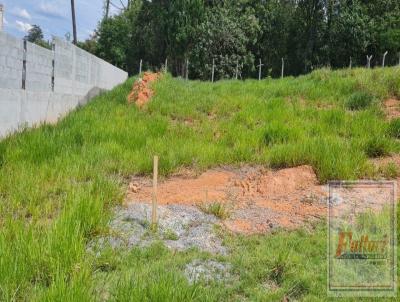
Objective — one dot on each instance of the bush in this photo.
(359, 101)
(376, 147)
(394, 128)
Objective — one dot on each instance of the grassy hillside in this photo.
(58, 182)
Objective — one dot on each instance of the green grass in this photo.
(58, 183)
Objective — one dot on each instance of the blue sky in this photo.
(53, 16)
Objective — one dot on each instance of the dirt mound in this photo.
(141, 90)
(392, 108)
(258, 199)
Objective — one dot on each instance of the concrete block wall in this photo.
(78, 76)
(11, 57)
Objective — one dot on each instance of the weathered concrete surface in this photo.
(78, 76)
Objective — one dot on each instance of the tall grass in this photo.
(58, 182)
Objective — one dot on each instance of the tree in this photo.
(35, 34)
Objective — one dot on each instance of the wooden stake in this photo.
(154, 199)
(283, 68)
(351, 63)
(166, 65)
(140, 66)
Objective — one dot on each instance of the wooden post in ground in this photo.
(166, 65)
(154, 197)
(351, 63)
(369, 61)
(283, 68)
(383, 59)
(259, 70)
(212, 72)
(140, 67)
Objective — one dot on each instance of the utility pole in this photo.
(107, 8)
(75, 40)
(1, 16)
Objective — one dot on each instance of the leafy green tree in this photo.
(35, 35)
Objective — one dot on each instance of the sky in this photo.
(53, 16)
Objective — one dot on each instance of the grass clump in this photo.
(218, 209)
(376, 147)
(389, 171)
(394, 128)
(358, 101)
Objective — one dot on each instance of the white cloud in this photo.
(22, 26)
(52, 9)
(22, 13)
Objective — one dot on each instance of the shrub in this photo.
(394, 128)
(376, 147)
(359, 101)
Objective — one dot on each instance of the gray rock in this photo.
(179, 227)
(206, 271)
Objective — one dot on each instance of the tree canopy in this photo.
(307, 34)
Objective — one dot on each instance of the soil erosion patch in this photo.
(141, 90)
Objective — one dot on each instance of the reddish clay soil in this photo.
(392, 108)
(258, 200)
(141, 90)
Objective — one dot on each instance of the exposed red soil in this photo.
(141, 90)
(392, 108)
(258, 199)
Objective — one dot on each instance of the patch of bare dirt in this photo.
(141, 90)
(382, 163)
(392, 108)
(259, 199)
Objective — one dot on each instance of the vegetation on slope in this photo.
(58, 182)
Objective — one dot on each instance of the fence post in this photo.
(351, 63)
(53, 48)
(213, 69)
(259, 70)
(140, 67)
(237, 69)
(369, 61)
(24, 66)
(166, 65)
(383, 59)
(283, 68)
(187, 69)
